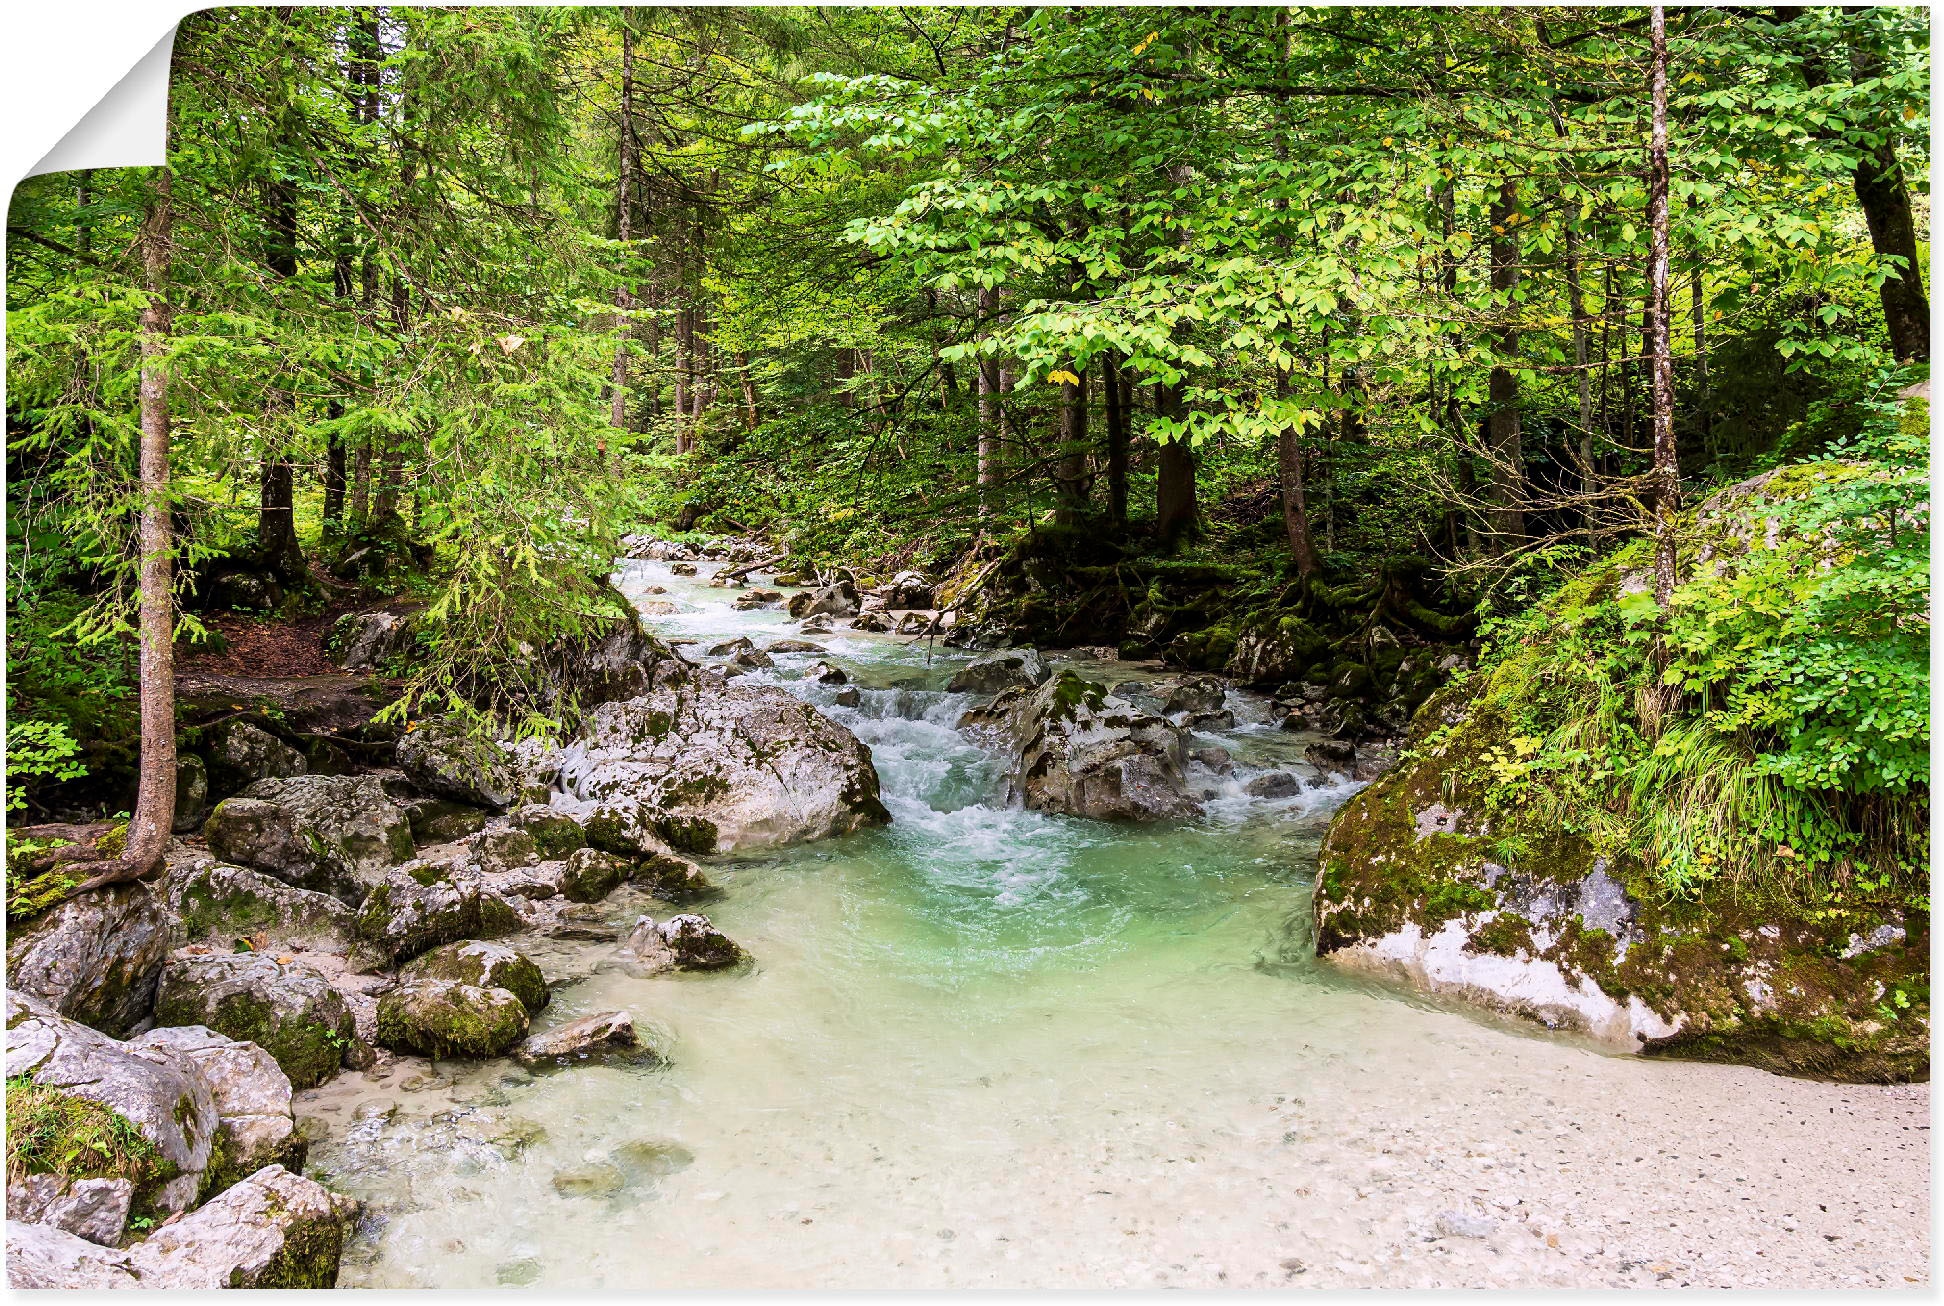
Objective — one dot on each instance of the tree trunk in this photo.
(155, 795)
(750, 413)
(277, 549)
(1175, 512)
(1885, 200)
(1505, 441)
(624, 226)
(1666, 475)
(1295, 507)
(1116, 440)
(988, 409)
(1070, 476)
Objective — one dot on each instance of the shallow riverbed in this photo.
(987, 1047)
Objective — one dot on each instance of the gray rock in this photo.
(1196, 694)
(444, 1018)
(838, 600)
(287, 1008)
(243, 753)
(908, 589)
(94, 1209)
(1011, 668)
(817, 625)
(592, 874)
(714, 768)
(555, 834)
(443, 758)
(1214, 758)
(336, 834)
(441, 820)
(1222, 720)
(728, 648)
(360, 641)
(484, 965)
(216, 900)
(43, 1256)
(591, 1038)
(1465, 1224)
(252, 1097)
(95, 958)
(161, 1093)
(192, 793)
(794, 646)
(685, 942)
(1332, 756)
(1273, 784)
(682, 569)
(272, 1230)
(1081, 751)
(825, 674)
(424, 904)
(753, 659)
(848, 696)
(914, 623)
(504, 849)
(875, 622)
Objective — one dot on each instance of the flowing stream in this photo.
(989, 1047)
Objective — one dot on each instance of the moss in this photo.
(427, 873)
(52, 1132)
(454, 1020)
(1507, 934)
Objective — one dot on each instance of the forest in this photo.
(1327, 313)
(1529, 406)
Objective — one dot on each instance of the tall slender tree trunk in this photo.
(624, 223)
(155, 794)
(1175, 511)
(751, 417)
(277, 548)
(1070, 479)
(1667, 473)
(1116, 405)
(1885, 200)
(1505, 439)
(988, 408)
(1295, 504)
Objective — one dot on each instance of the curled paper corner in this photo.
(127, 128)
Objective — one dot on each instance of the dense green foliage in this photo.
(461, 294)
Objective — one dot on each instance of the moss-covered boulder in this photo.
(242, 753)
(689, 941)
(591, 874)
(484, 965)
(335, 834)
(442, 757)
(554, 833)
(220, 902)
(254, 1118)
(440, 820)
(83, 1105)
(284, 1007)
(445, 1018)
(95, 958)
(424, 904)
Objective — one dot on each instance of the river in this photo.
(988, 1047)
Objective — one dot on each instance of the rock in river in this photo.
(424, 904)
(716, 767)
(1010, 668)
(685, 942)
(485, 965)
(591, 1038)
(444, 1018)
(1081, 751)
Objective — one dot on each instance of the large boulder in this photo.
(1414, 885)
(361, 641)
(555, 834)
(686, 942)
(838, 600)
(215, 900)
(1009, 668)
(1081, 751)
(43, 1255)
(95, 958)
(424, 904)
(336, 834)
(440, 820)
(442, 757)
(94, 1209)
(484, 965)
(159, 1092)
(444, 1018)
(252, 1101)
(275, 1229)
(242, 753)
(716, 766)
(908, 589)
(287, 1008)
